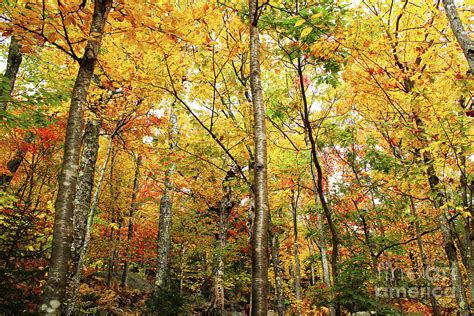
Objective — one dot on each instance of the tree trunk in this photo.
(280, 298)
(424, 259)
(133, 208)
(166, 204)
(466, 43)
(13, 65)
(85, 184)
(260, 226)
(87, 234)
(297, 279)
(55, 289)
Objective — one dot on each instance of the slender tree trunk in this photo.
(225, 207)
(87, 235)
(133, 208)
(114, 221)
(321, 242)
(280, 298)
(466, 43)
(319, 181)
(297, 279)
(260, 226)
(55, 289)
(13, 65)
(424, 259)
(85, 184)
(164, 225)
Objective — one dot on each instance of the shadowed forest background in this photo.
(209, 158)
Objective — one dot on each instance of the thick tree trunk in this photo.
(280, 298)
(424, 259)
(13, 65)
(466, 43)
(164, 225)
(55, 289)
(76, 282)
(133, 208)
(85, 184)
(260, 226)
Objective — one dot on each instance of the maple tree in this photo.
(194, 157)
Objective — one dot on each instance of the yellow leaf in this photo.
(300, 22)
(315, 16)
(306, 31)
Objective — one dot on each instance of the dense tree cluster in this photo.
(306, 158)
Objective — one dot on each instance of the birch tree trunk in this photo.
(260, 226)
(166, 205)
(466, 43)
(55, 288)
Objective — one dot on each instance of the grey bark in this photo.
(466, 43)
(166, 204)
(260, 226)
(85, 184)
(133, 208)
(87, 235)
(55, 288)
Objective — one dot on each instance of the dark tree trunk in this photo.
(133, 208)
(55, 289)
(13, 65)
(260, 226)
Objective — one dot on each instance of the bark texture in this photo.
(260, 226)
(466, 43)
(55, 289)
(164, 225)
